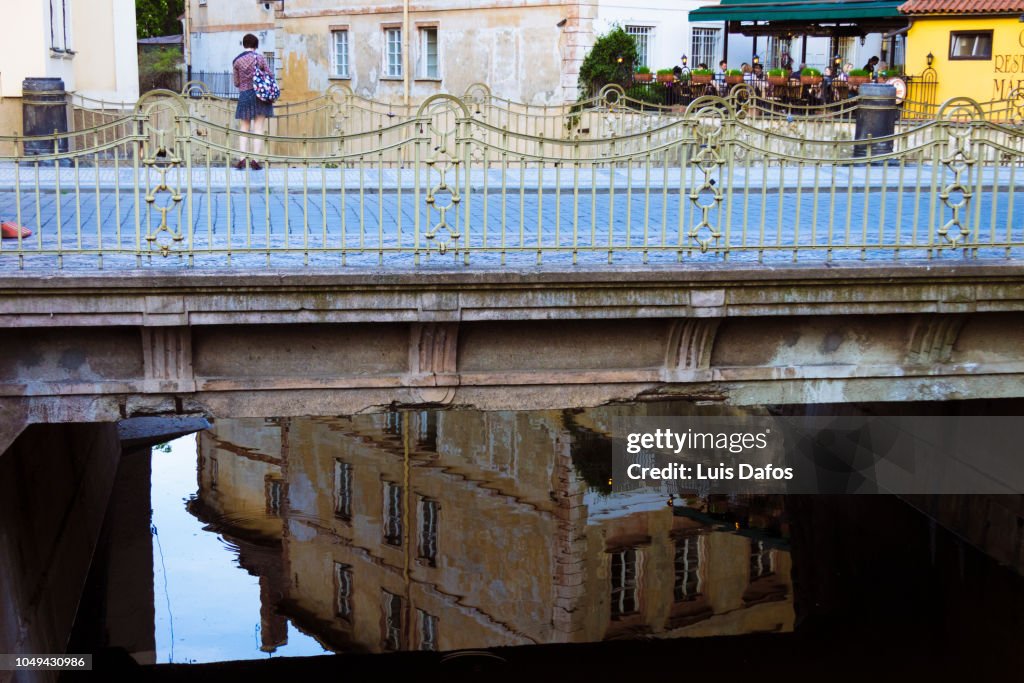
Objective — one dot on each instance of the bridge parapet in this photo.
(444, 186)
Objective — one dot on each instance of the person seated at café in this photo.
(870, 66)
(748, 74)
(786, 62)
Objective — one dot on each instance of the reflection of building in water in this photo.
(447, 530)
(241, 490)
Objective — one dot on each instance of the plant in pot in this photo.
(810, 76)
(666, 76)
(858, 77)
(891, 73)
(643, 75)
(701, 75)
(733, 77)
(777, 76)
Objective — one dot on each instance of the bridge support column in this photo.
(433, 360)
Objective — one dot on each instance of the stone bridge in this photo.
(97, 348)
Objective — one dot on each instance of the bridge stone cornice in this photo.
(204, 298)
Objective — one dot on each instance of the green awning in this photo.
(809, 10)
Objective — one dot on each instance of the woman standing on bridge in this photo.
(251, 112)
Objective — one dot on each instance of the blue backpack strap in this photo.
(239, 57)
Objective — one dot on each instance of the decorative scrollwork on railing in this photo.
(441, 115)
(161, 155)
(958, 116)
(708, 115)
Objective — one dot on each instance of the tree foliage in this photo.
(601, 66)
(158, 17)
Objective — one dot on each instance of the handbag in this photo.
(265, 85)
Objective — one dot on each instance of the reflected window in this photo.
(273, 493)
(687, 569)
(392, 513)
(428, 630)
(214, 472)
(625, 591)
(760, 560)
(393, 422)
(393, 608)
(343, 591)
(342, 490)
(427, 430)
(427, 550)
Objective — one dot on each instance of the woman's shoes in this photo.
(253, 164)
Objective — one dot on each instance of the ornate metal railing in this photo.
(158, 188)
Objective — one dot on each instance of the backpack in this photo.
(264, 85)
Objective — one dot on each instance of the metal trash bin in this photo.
(44, 110)
(876, 118)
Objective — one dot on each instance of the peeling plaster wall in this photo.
(217, 28)
(515, 48)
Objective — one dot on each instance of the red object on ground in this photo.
(13, 230)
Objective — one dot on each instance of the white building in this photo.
(89, 44)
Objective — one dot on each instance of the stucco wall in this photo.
(981, 80)
(514, 48)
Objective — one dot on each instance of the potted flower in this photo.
(778, 76)
(810, 76)
(733, 77)
(858, 77)
(701, 75)
(642, 75)
(666, 76)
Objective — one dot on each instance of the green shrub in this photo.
(859, 72)
(777, 72)
(703, 72)
(733, 72)
(642, 69)
(666, 72)
(601, 66)
(809, 71)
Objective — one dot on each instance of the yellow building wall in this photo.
(981, 80)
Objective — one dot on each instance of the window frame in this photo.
(426, 546)
(343, 592)
(335, 32)
(648, 33)
(387, 53)
(714, 55)
(391, 626)
(624, 584)
(342, 490)
(953, 35)
(422, 55)
(394, 532)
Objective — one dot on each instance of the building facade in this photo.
(89, 44)
(402, 52)
(975, 48)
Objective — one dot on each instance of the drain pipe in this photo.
(405, 50)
